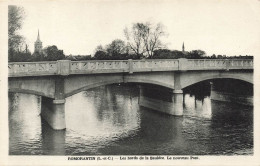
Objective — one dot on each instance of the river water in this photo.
(108, 121)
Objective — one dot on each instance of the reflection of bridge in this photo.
(55, 81)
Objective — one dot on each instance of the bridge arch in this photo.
(191, 79)
(41, 86)
(125, 80)
(28, 91)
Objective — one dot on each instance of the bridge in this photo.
(57, 80)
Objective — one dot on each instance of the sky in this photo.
(228, 27)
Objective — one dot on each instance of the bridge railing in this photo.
(66, 67)
(217, 64)
(32, 68)
(108, 66)
(155, 65)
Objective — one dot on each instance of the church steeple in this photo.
(183, 48)
(38, 37)
(38, 44)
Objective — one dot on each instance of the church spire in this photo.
(183, 48)
(38, 44)
(38, 37)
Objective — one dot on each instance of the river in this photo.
(108, 121)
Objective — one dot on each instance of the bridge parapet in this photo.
(109, 66)
(16, 69)
(218, 64)
(155, 65)
(67, 67)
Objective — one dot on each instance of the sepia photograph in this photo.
(124, 81)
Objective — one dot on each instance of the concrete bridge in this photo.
(56, 80)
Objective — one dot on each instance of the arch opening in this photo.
(152, 84)
(187, 81)
(230, 85)
(223, 89)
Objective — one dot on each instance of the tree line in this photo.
(142, 41)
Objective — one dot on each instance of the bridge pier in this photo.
(172, 104)
(53, 112)
(178, 102)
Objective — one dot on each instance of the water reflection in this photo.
(53, 142)
(108, 120)
(197, 108)
(102, 117)
(24, 124)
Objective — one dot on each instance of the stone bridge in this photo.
(56, 80)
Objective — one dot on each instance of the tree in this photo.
(116, 47)
(167, 54)
(22, 56)
(213, 56)
(134, 38)
(145, 38)
(111, 51)
(15, 19)
(100, 55)
(151, 36)
(196, 54)
(100, 48)
(52, 53)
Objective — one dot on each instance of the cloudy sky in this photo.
(228, 27)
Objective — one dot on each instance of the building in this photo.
(38, 44)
